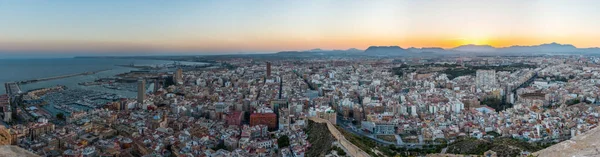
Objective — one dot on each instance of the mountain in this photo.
(551, 47)
(316, 50)
(591, 49)
(319, 51)
(353, 50)
(386, 50)
(426, 50)
(474, 48)
(548, 48)
(542, 48)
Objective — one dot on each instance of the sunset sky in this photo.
(229, 26)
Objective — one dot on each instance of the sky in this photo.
(242, 26)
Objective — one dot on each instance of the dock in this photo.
(12, 88)
(60, 77)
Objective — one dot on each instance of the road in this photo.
(353, 150)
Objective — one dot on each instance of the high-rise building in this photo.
(485, 78)
(141, 91)
(5, 108)
(268, 69)
(178, 77)
(6, 87)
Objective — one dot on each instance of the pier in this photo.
(12, 88)
(60, 77)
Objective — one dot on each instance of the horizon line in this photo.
(155, 52)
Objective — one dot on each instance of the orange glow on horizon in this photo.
(274, 44)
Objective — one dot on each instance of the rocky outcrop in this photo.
(10, 150)
(320, 139)
(503, 146)
(586, 144)
(353, 150)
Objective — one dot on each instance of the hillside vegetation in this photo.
(504, 146)
(320, 138)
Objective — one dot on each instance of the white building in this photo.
(486, 78)
(457, 106)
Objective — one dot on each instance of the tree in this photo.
(283, 141)
(221, 145)
(572, 101)
(60, 116)
(341, 152)
(496, 104)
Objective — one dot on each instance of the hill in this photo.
(470, 49)
(585, 144)
(9, 150)
(504, 146)
(386, 50)
(320, 139)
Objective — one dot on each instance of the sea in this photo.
(12, 70)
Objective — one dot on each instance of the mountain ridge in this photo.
(393, 50)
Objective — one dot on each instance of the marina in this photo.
(88, 98)
(68, 101)
(82, 84)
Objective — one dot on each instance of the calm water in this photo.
(25, 69)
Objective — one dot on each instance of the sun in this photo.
(474, 41)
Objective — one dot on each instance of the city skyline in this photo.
(183, 27)
(275, 78)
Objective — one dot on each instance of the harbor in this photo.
(81, 91)
(65, 101)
